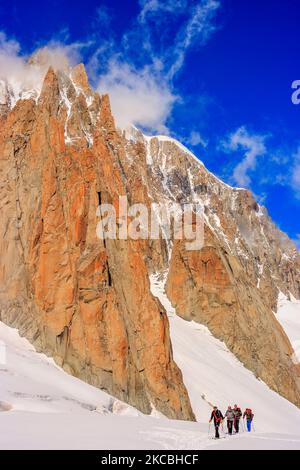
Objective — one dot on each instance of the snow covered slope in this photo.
(288, 314)
(42, 407)
(213, 375)
(32, 382)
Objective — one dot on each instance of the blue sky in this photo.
(217, 74)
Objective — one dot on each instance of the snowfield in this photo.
(42, 407)
(211, 371)
(288, 315)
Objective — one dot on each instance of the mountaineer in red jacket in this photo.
(218, 418)
(249, 417)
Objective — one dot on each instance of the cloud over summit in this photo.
(137, 71)
(139, 76)
(24, 71)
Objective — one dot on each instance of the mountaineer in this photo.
(218, 418)
(237, 416)
(230, 418)
(249, 417)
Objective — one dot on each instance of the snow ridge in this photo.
(213, 375)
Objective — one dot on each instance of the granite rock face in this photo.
(87, 302)
(82, 300)
(232, 284)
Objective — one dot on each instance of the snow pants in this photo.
(229, 426)
(249, 425)
(236, 425)
(217, 434)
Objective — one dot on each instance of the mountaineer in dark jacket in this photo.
(237, 416)
(218, 418)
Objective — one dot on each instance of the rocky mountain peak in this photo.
(87, 302)
(80, 78)
(49, 96)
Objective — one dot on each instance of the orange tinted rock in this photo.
(85, 302)
(221, 297)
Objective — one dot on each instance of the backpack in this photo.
(217, 416)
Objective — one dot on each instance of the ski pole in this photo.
(209, 428)
(253, 427)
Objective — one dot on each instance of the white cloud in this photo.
(195, 138)
(253, 146)
(14, 67)
(155, 7)
(296, 174)
(289, 174)
(8, 47)
(137, 96)
(22, 73)
(144, 95)
(198, 29)
(137, 72)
